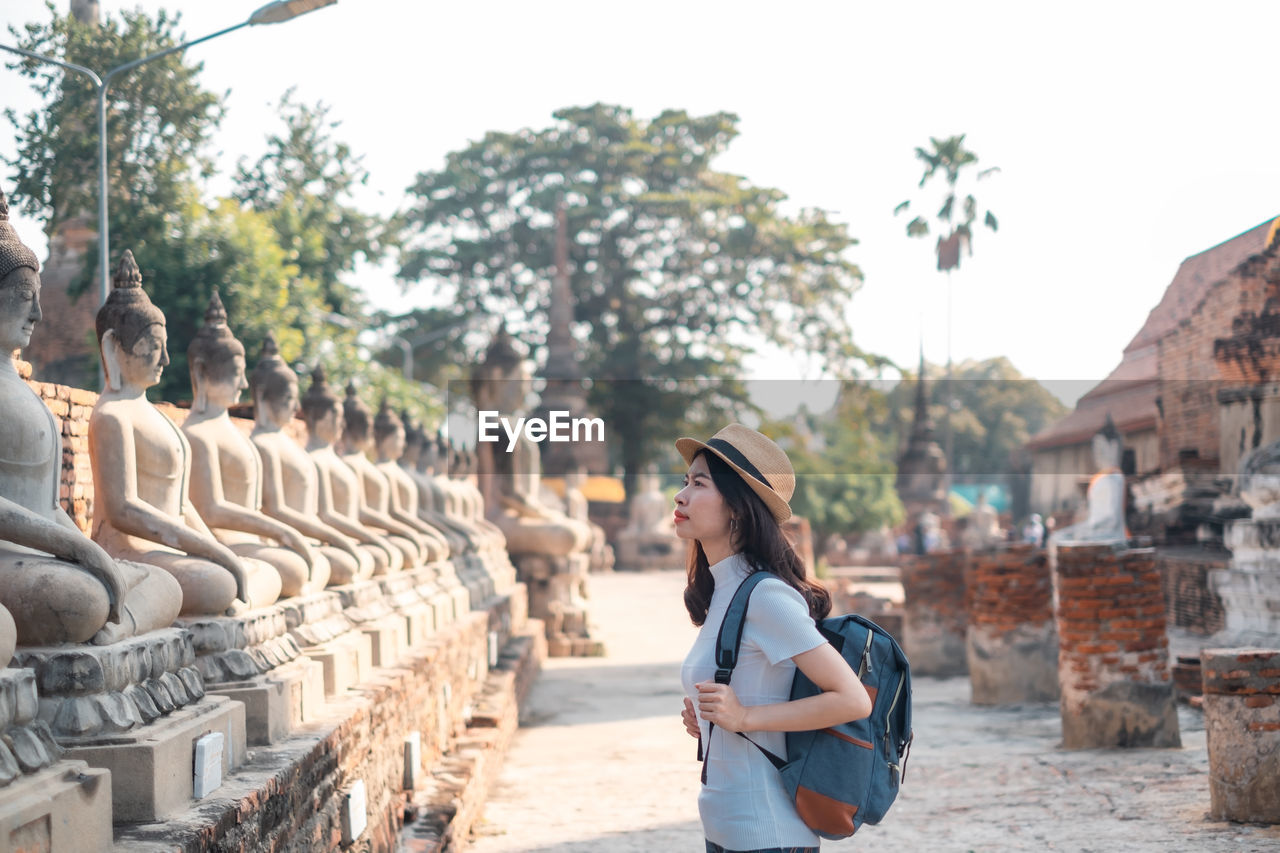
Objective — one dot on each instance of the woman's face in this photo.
(701, 512)
(19, 308)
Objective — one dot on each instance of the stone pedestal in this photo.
(1242, 726)
(934, 622)
(253, 659)
(135, 708)
(647, 550)
(557, 596)
(45, 803)
(153, 769)
(1011, 644)
(1113, 661)
(327, 638)
(365, 604)
(1249, 588)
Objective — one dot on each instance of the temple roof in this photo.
(1129, 392)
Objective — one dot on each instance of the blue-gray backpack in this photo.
(847, 775)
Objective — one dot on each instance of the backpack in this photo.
(847, 775)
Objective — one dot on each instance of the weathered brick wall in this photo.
(1242, 727)
(1189, 374)
(1113, 655)
(934, 618)
(1189, 600)
(1011, 643)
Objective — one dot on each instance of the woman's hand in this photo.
(690, 720)
(717, 703)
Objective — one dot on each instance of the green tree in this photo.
(304, 183)
(844, 461)
(997, 410)
(158, 120)
(675, 266)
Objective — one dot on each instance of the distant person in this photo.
(1033, 532)
(734, 497)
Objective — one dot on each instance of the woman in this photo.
(734, 497)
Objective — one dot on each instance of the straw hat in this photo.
(760, 463)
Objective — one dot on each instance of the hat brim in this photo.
(780, 510)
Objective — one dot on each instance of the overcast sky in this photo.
(1128, 135)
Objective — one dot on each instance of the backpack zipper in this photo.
(865, 666)
(888, 733)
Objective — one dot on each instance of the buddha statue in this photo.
(290, 483)
(226, 470)
(578, 508)
(142, 467)
(339, 487)
(983, 528)
(56, 584)
(1105, 495)
(375, 498)
(503, 384)
(428, 498)
(390, 441)
(649, 540)
(455, 499)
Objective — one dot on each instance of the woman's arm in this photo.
(842, 700)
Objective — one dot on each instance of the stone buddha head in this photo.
(322, 410)
(357, 421)
(131, 332)
(502, 380)
(413, 439)
(19, 286)
(216, 359)
(388, 432)
(275, 386)
(1107, 446)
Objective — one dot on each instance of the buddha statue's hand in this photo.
(295, 542)
(228, 559)
(99, 563)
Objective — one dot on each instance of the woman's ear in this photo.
(111, 350)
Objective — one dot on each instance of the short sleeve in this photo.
(778, 622)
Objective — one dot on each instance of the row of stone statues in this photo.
(202, 519)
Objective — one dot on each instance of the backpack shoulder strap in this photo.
(735, 619)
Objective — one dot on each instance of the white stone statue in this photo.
(339, 487)
(142, 467)
(1105, 495)
(390, 441)
(226, 470)
(290, 482)
(983, 530)
(59, 585)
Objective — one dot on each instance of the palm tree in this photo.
(951, 158)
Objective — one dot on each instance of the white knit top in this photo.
(743, 805)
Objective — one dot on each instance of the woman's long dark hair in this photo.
(758, 538)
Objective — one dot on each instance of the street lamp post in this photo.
(272, 13)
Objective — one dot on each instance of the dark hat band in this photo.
(728, 451)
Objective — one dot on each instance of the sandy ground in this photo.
(602, 763)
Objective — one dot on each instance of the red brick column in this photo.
(1012, 643)
(933, 625)
(1242, 726)
(1113, 657)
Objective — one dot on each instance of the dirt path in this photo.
(602, 763)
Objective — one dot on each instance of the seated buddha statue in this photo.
(503, 383)
(375, 498)
(339, 486)
(431, 505)
(56, 584)
(226, 470)
(389, 438)
(142, 467)
(290, 483)
(1105, 496)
